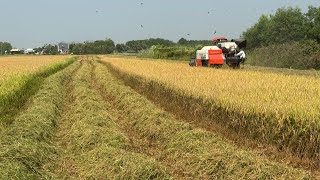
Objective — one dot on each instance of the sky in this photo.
(33, 23)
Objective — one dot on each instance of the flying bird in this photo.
(215, 32)
(141, 25)
(188, 34)
(141, 4)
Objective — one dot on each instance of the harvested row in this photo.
(15, 93)
(25, 145)
(90, 144)
(189, 152)
(268, 107)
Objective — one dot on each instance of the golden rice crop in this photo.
(193, 152)
(21, 77)
(243, 90)
(19, 65)
(284, 109)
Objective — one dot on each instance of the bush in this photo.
(297, 55)
(169, 52)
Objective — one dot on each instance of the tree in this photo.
(182, 41)
(136, 45)
(286, 25)
(313, 16)
(50, 49)
(97, 47)
(76, 48)
(5, 46)
(257, 35)
(120, 48)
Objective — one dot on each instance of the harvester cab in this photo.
(221, 52)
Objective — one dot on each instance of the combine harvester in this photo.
(221, 52)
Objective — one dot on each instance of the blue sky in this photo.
(33, 23)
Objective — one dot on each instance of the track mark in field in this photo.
(64, 165)
(90, 144)
(137, 142)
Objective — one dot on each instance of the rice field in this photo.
(83, 122)
(12, 66)
(276, 108)
(21, 77)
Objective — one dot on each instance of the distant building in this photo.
(15, 51)
(63, 48)
(29, 51)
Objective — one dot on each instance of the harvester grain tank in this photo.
(221, 52)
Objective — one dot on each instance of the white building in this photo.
(15, 51)
(63, 48)
(29, 51)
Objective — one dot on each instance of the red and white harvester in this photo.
(221, 52)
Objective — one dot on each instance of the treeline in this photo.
(108, 46)
(286, 25)
(176, 52)
(153, 47)
(140, 45)
(136, 46)
(96, 47)
(287, 39)
(163, 49)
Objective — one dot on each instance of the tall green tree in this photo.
(120, 48)
(313, 16)
(50, 49)
(286, 25)
(182, 41)
(5, 47)
(257, 35)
